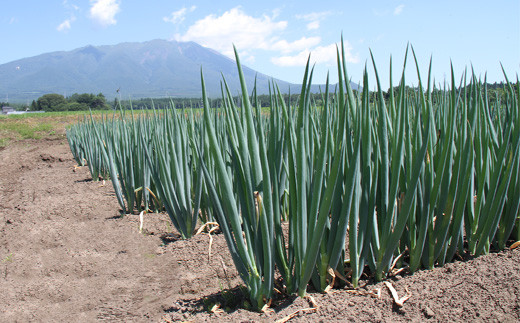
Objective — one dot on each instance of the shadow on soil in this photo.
(168, 238)
(228, 300)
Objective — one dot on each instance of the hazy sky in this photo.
(275, 37)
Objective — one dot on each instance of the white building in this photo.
(7, 110)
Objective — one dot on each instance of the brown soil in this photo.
(67, 255)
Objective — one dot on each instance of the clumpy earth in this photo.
(67, 255)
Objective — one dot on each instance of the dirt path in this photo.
(66, 255)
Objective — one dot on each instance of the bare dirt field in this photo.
(67, 255)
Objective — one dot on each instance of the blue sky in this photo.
(275, 37)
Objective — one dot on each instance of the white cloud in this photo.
(276, 13)
(297, 60)
(65, 25)
(314, 18)
(297, 45)
(68, 5)
(234, 27)
(320, 54)
(313, 25)
(250, 34)
(13, 20)
(398, 9)
(315, 15)
(178, 16)
(103, 11)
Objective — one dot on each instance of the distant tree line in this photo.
(496, 92)
(186, 103)
(76, 102)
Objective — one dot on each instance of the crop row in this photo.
(423, 173)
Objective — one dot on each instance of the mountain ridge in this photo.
(151, 69)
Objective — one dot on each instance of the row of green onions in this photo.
(427, 174)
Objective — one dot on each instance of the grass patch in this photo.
(16, 127)
(4, 142)
(25, 130)
(53, 114)
(8, 258)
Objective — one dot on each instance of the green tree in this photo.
(34, 106)
(98, 102)
(76, 106)
(94, 102)
(51, 102)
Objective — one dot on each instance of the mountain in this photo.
(156, 68)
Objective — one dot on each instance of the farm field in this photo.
(67, 255)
